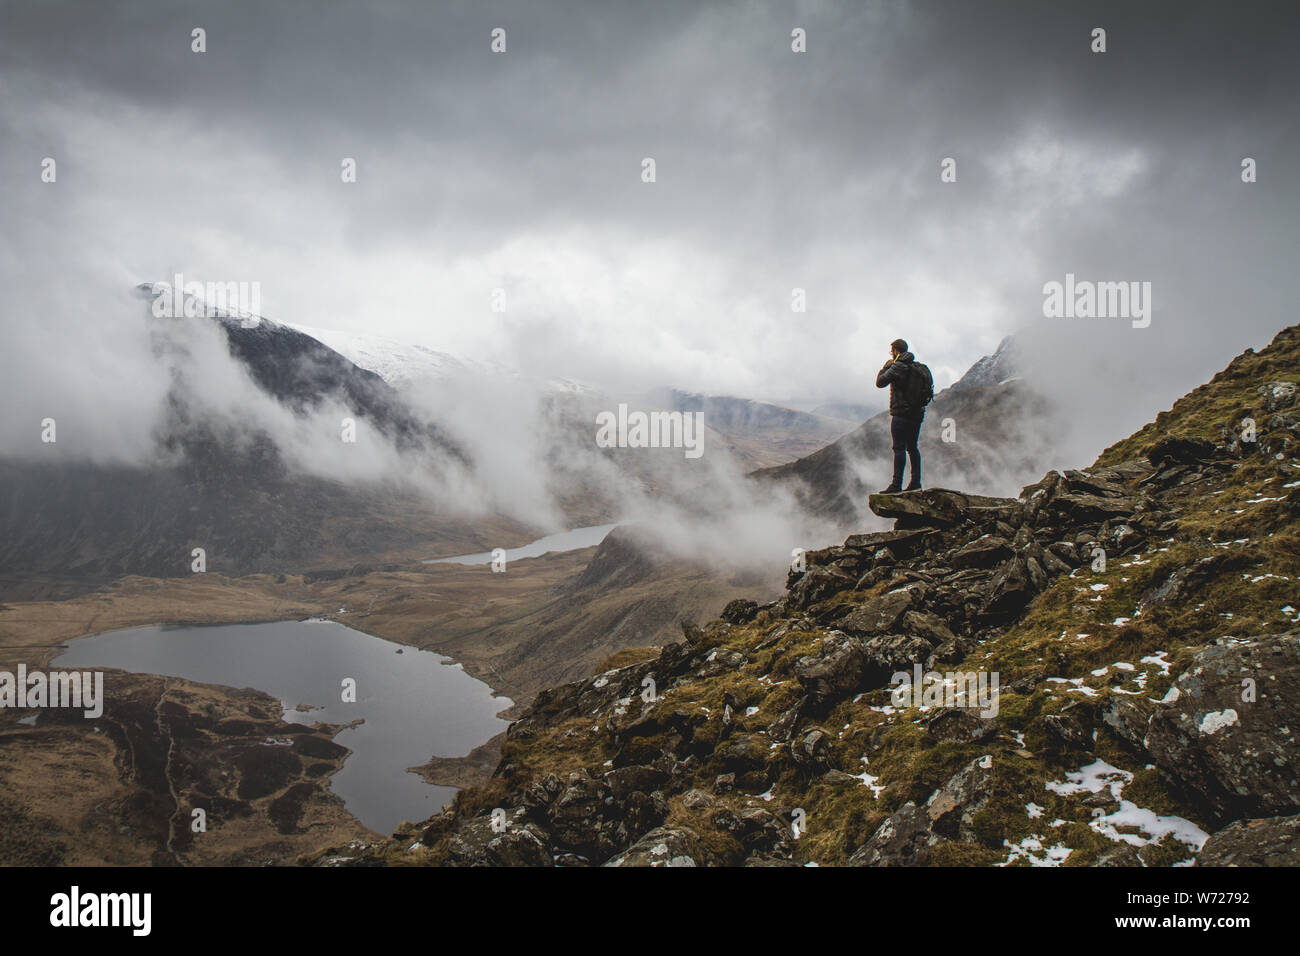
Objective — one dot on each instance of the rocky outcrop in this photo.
(1274, 841)
(664, 847)
(1277, 395)
(1006, 427)
(727, 745)
(1228, 731)
(906, 838)
(957, 571)
(847, 665)
(935, 507)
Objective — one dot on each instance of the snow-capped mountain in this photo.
(404, 364)
(228, 481)
(997, 369)
(398, 363)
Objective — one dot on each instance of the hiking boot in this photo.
(893, 489)
(914, 485)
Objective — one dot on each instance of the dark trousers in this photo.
(906, 429)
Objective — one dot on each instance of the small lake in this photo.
(564, 541)
(414, 705)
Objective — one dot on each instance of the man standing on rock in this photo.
(910, 389)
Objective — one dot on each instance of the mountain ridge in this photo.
(989, 431)
(771, 736)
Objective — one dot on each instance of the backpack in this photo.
(920, 387)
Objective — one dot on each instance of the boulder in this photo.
(1007, 594)
(1036, 573)
(1183, 583)
(902, 840)
(1053, 564)
(1089, 484)
(905, 838)
(577, 814)
(1041, 492)
(812, 747)
(960, 725)
(664, 846)
(540, 793)
(1127, 720)
(1070, 728)
(1277, 395)
(834, 673)
(899, 544)
(784, 726)
(1123, 855)
(891, 653)
(1272, 841)
(847, 665)
(1083, 508)
(938, 507)
(817, 584)
(761, 831)
(983, 552)
(477, 843)
(627, 780)
(930, 627)
(588, 820)
(880, 615)
(1121, 538)
(1127, 855)
(1066, 551)
(739, 611)
(1238, 756)
(720, 661)
(695, 799)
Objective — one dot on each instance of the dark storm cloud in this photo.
(775, 170)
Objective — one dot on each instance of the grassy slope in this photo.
(1068, 632)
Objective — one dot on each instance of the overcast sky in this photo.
(775, 170)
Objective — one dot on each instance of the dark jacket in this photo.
(895, 374)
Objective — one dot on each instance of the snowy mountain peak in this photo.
(996, 369)
(403, 364)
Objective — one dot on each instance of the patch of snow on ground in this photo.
(1158, 659)
(1092, 778)
(1100, 775)
(1078, 685)
(1031, 849)
(869, 781)
(1153, 826)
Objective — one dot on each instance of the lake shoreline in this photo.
(390, 711)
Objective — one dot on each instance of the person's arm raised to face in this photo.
(883, 377)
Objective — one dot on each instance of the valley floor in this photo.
(78, 794)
